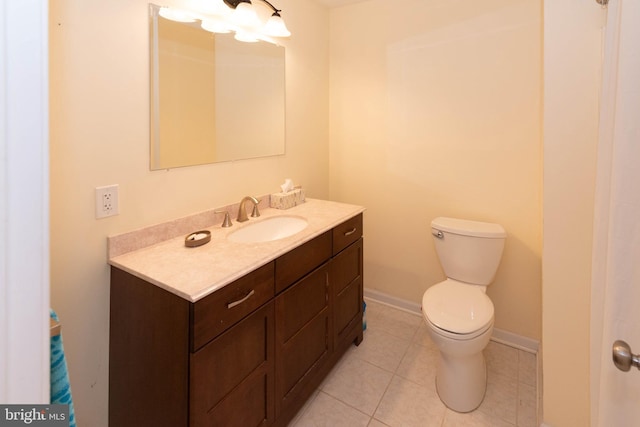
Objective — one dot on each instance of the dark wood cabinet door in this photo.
(346, 284)
(303, 344)
(232, 377)
(148, 354)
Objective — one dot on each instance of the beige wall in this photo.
(99, 136)
(436, 111)
(572, 83)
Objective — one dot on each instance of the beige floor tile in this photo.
(527, 407)
(422, 336)
(527, 368)
(396, 322)
(501, 398)
(408, 404)
(326, 411)
(502, 359)
(358, 384)
(376, 423)
(381, 349)
(472, 419)
(420, 365)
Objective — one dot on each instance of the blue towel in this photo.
(60, 386)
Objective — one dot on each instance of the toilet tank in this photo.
(469, 251)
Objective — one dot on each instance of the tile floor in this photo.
(389, 380)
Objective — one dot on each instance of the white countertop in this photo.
(193, 273)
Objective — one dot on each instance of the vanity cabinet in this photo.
(249, 354)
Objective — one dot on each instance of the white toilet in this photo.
(458, 313)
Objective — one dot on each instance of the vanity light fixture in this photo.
(245, 15)
(276, 27)
(215, 26)
(246, 36)
(176, 15)
(224, 16)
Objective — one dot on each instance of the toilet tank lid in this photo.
(467, 227)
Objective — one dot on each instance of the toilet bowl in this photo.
(459, 318)
(458, 313)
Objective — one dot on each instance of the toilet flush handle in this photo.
(439, 234)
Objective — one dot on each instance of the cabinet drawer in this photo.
(215, 313)
(347, 233)
(301, 260)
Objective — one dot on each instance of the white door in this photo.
(24, 207)
(615, 395)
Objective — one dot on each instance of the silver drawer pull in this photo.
(240, 301)
(350, 232)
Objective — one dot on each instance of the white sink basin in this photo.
(268, 229)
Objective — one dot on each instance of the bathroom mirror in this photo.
(212, 98)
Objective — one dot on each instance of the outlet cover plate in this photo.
(107, 201)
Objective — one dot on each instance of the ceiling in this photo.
(338, 3)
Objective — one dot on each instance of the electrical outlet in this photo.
(107, 201)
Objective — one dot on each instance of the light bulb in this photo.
(245, 36)
(245, 16)
(176, 15)
(209, 7)
(276, 27)
(215, 26)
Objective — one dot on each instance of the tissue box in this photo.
(287, 200)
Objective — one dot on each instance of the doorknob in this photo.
(623, 358)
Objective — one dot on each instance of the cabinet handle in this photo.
(240, 301)
(350, 232)
(326, 285)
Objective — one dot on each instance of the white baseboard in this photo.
(499, 335)
(515, 340)
(392, 301)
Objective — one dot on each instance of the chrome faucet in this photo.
(242, 211)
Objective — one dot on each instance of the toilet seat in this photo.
(458, 309)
